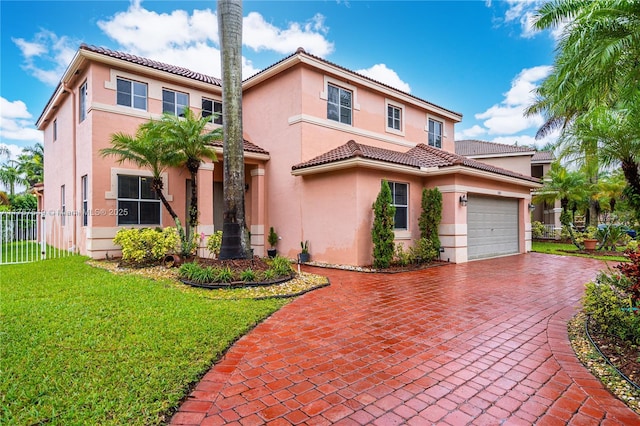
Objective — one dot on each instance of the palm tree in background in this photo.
(595, 83)
(235, 241)
(11, 175)
(31, 164)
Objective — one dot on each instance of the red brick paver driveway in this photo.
(480, 343)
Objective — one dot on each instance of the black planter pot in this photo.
(304, 257)
(271, 253)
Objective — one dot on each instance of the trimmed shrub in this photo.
(431, 215)
(382, 233)
(537, 229)
(146, 246)
(424, 251)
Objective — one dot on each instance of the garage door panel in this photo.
(492, 227)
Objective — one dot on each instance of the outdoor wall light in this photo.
(246, 187)
(531, 207)
(463, 200)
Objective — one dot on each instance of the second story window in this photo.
(339, 104)
(82, 104)
(435, 133)
(174, 102)
(211, 107)
(132, 94)
(394, 117)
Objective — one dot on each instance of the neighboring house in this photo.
(522, 160)
(319, 141)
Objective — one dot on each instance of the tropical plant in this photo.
(148, 149)
(592, 94)
(31, 164)
(214, 242)
(304, 247)
(382, 233)
(145, 245)
(11, 175)
(235, 241)
(190, 140)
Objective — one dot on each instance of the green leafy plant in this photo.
(611, 310)
(268, 275)
(304, 246)
(224, 275)
(145, 245)
(382, 233)
(280, 266)
(214, 242)
(401, 256)
(248, 275)
(423, 251)
(537, 229)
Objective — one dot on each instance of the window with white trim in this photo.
(400, 200)
(84, 188)
(212, 108)
(131, 93)
(82, 104)
(174, 102)
(339, 104)
(138, 203)
(63, 206)
(394, 117)
(435, 133)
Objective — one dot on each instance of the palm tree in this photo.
(187, 136)
(610, 190)
(145, 150)
(10, 176)
(595, 80)
(235, 244)
(31, 163)
(564, 185)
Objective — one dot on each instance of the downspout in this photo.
(73, 160)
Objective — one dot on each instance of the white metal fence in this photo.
(551, 232)
(31, 236)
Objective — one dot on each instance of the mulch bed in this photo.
(622, 354)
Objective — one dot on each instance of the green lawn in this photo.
(569, 250)
(84, 346)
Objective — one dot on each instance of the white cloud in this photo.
(16, 123)
(381, 73)
(46, 56)
(470, 133)
(521, 140)
(508, 118)
(258, 34)
(14, 152)
(192, 41)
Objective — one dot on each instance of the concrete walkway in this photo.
(481, 343)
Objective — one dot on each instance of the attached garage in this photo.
(492, 227)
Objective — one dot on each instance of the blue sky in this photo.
(479, 58)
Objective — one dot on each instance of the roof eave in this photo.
(470, 171)
(500, 154)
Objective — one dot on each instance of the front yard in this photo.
(80, 345)
(568, 249)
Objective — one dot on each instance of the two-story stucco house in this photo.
(319, 139)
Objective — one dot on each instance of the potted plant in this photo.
(272, 239)
(590, 241)
(304, 255)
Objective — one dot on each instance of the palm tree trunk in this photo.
(158, 185)
(234, 240)
(632, 175)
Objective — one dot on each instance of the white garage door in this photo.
(492, 227)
